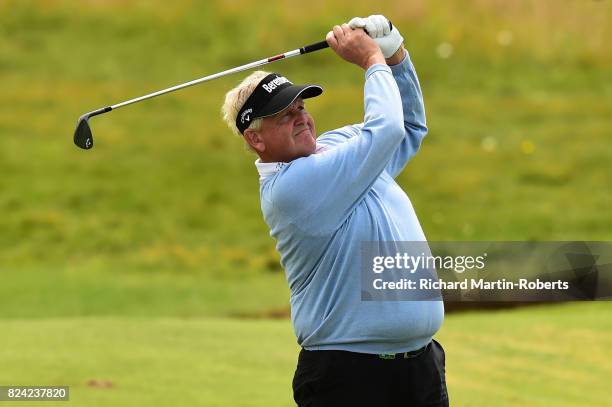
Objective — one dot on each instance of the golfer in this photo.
(322, 197)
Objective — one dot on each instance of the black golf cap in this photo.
(273, 94)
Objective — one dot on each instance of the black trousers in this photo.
(338, 378)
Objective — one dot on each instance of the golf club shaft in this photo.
(299, 51)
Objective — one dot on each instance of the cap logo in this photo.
(245, 115)
(274, 83)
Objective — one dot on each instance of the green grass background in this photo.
(539, 356)
(151, 246)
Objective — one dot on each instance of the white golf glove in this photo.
(377, 26)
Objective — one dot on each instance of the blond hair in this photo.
(235, 99)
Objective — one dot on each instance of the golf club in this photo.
(84, 138)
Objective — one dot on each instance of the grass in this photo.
(549, 355)
(159, 361)
(168, 187)
(73, 292)
(517, 147)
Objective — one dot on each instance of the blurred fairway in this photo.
(161, 220)
(552, 355)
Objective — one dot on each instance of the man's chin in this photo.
(308, 141)
(312, 148)
(306, 151)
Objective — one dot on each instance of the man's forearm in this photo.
(406, 77)
(413, 109)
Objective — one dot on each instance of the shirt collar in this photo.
(267, 169)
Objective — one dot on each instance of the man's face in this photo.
(287, 135)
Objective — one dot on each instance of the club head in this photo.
(82, 135)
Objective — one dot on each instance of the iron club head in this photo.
(82, 134)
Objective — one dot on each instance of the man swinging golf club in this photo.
(322, 197)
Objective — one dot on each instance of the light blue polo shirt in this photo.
(321, 207)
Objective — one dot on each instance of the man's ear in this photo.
(254, 139)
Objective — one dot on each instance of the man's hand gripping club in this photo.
(382, 31)
(355, 46)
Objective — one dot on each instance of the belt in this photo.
(401, 355)
(404, 355)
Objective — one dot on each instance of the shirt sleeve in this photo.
(415, 126)
(318, 192)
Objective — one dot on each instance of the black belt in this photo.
(404, 355)
(401, 355)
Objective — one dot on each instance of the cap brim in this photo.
(286, 97)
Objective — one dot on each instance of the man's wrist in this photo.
(397, 57)
(373, 60)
